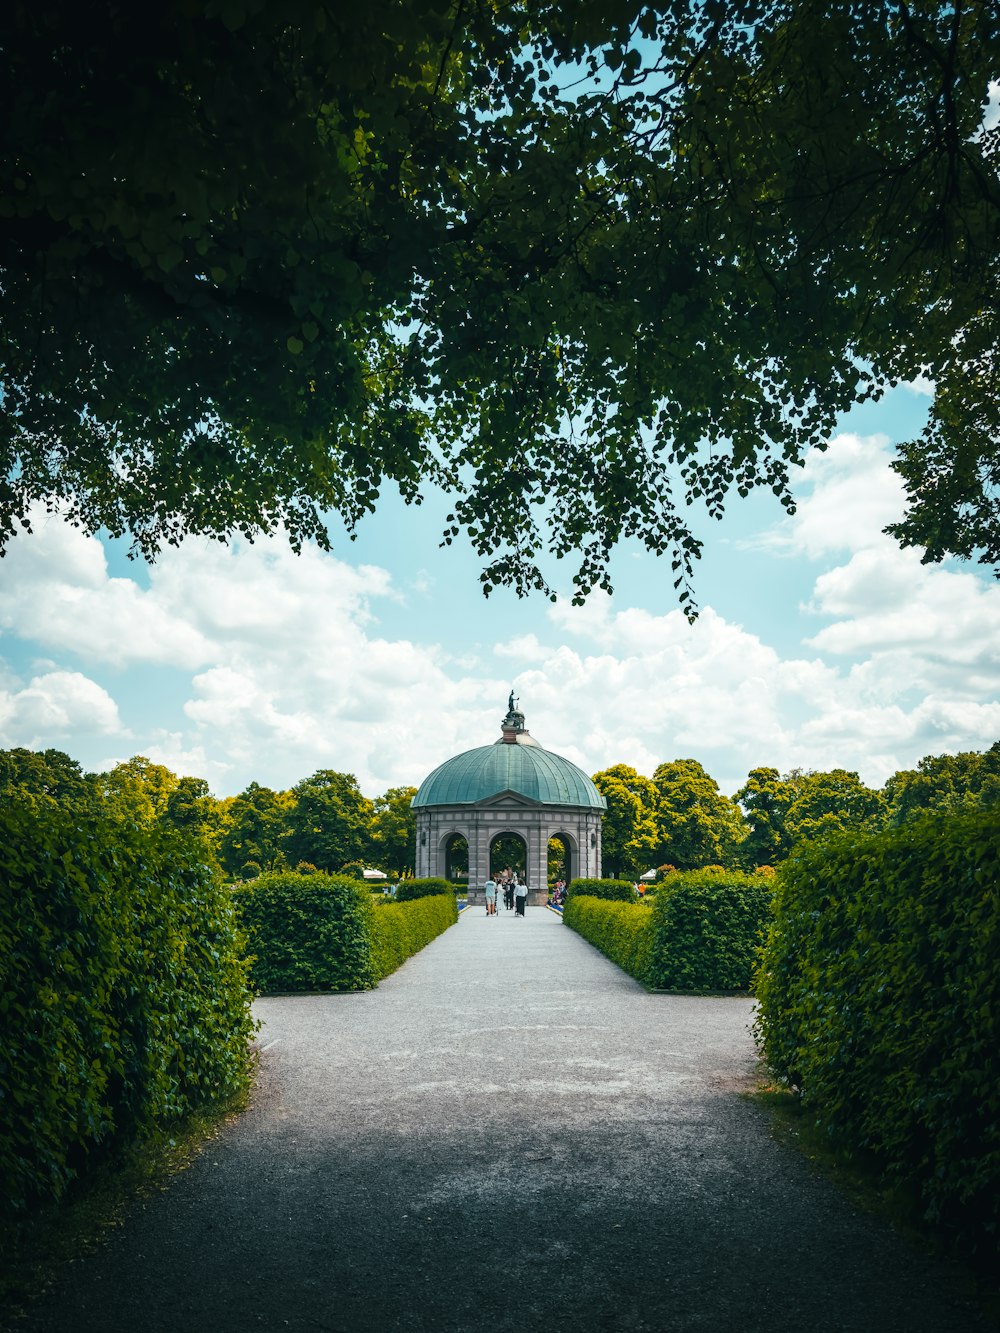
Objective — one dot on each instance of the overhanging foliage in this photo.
(577, 264)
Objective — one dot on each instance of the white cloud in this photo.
(52, 707)
(991, 111)
(56, 591)
(845, 497)
(281, 664)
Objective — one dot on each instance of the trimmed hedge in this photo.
(124, 1002)
(399, 930)
(880, 1001)
(410, 889)
(318, 932)
(710, 926)
(307, 932)
(702, 931)
(613, 890)
(624, 932)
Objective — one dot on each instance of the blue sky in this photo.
(820, 644)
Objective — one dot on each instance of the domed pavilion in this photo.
(506, 802)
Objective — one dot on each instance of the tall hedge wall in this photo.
(400, 930)
(880, 1000)
(320, 932)
(622, 931)
(710, 926)
(124, 1001)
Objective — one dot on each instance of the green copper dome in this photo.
(515, 763)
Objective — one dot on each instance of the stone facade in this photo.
(509, 812)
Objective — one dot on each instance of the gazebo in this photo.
(511, 794)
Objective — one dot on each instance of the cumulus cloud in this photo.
(57, 592)
(280, 664)
(52, 707)
(845, 496)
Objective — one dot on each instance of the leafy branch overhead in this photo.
(579, 265)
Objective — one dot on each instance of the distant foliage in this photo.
(880, 1001)
(710, 926)
(614, 890)
(308, 932)
(409, 889)
(401, 929)
(624, 932)
(124, 1001)
(948, 783)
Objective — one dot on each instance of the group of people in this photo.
(513, 888)
(558, 895)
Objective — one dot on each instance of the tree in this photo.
(43, 777)
(577, 264)
(949, 783)
(628, 830)
(137, 789)
(330, 820)
(696, 825)
(258, 830)
(833, 802)
(766, 799)
(188, 805)
(394, 831)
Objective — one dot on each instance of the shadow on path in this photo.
(508, 1135)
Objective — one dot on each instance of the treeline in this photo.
(323, 821)
(680, 818)
(676, 818)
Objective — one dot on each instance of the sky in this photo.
(820, 644)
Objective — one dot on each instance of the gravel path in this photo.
(509, 1134)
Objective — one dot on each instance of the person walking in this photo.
(520, 896)
(490, 889)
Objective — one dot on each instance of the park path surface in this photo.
(509, 1134)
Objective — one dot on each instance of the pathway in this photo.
(508, 1135)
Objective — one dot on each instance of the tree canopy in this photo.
(577, 264)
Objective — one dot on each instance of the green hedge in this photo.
(400, 930)
(307, 932)
(410, 889)
(614, 890)
(124, 1002)
(310, 933)
(880, 1001)
(622, 931)
(710, 926)
(702, 931)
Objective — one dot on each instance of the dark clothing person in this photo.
(520, 898)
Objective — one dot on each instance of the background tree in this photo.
(258, 830)
(951, 783)
(44, 777)
(696, 825)
(577, 264)
(393, 832)
(137, 789)
(628, 828)
(766, 798)
(832, 802)
(330, 820)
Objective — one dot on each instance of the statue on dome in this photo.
(511, 703)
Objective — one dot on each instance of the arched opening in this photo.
(456, 859)
(508, 851)
(561, 866)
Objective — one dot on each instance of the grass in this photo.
(35, 1247)
(859, 1175)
